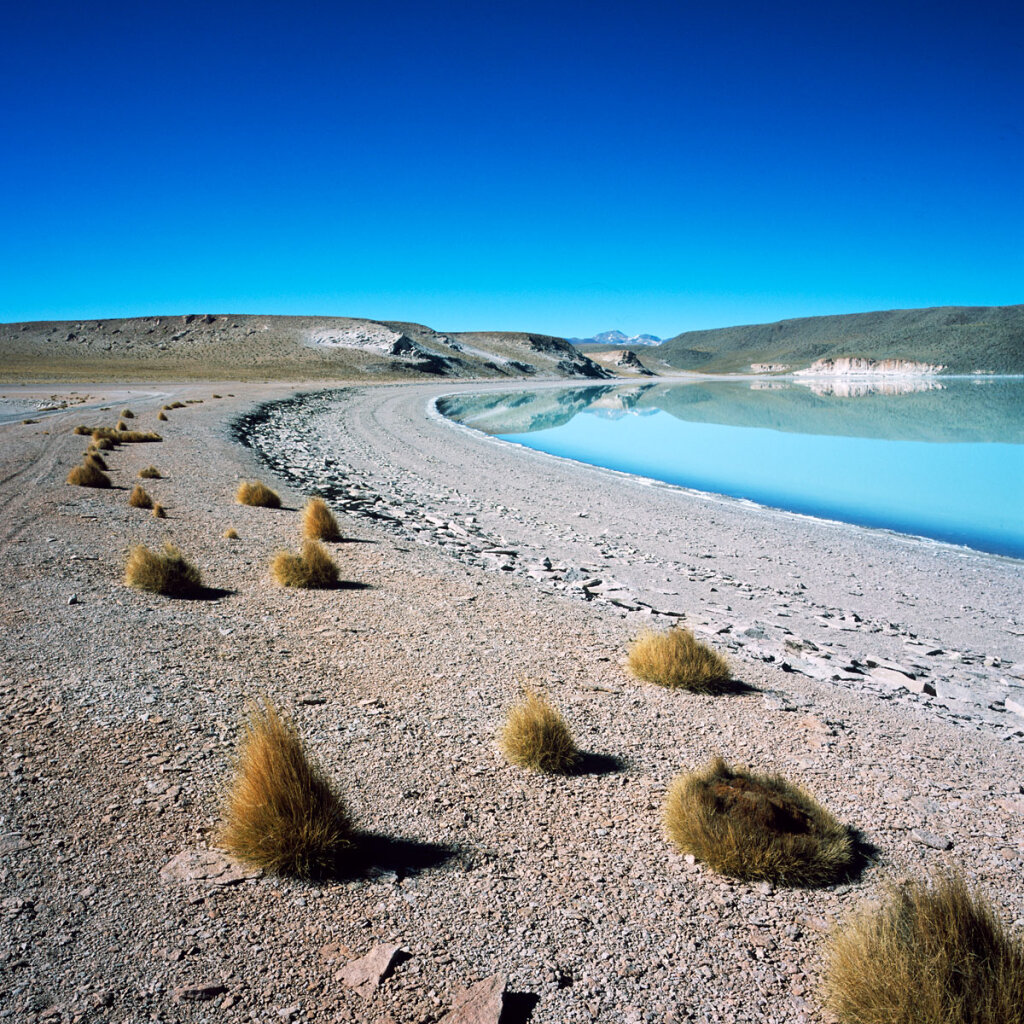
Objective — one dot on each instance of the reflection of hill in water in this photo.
(960, 411)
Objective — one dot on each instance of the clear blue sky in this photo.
(558, 167)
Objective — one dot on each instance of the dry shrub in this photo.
(216, 396)
(127, 414)
(158, 511)
(121, 426)
(311, 569)
(136, 436)
(150, 473)
(677, 659)
(231, 533)
(756, 827)
(139, 498)
(28, 421)
(103, 434)
(165, 572)
(161, 415)
(282, 813)
(88, 475)
(929, 954)
(104, 444)
(175, 405)
(255, 492)
(95, 459)
(536, 736)
(318, 522)
(83, 430)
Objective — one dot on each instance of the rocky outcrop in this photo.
(854, 366)
(768, 367)
(627, 360)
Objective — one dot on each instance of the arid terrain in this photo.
(471, 568)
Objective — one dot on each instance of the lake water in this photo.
(936, 458)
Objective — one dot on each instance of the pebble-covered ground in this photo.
(119, 714)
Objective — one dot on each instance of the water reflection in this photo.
(938, 459)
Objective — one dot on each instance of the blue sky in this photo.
(560, 167)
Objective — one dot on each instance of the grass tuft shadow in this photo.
(374, 852)
(518, 1007)
(597, 764)
(205, 594)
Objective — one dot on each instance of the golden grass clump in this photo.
(231, 533)
(318, 522)
(756, 827)
(121, 426)
(165, 572)
(161, 415)
(127, 414)
(136, 436)
(929, 954)
(255, 492)
(175, 405)
(82, 430)
(158, 511)
(150, 473)
(103, 434)
(677, 659)
(104, 444)
(282, 813)
(217, 396)
(88, 475)
(535, 736)
(139, 498)
(95, 459)
(311, 569)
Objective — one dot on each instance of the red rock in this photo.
(481, 1003)
(366, 973)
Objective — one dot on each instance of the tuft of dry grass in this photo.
(158, 511)
(150, 473)
(88, 475)
(255, 492)
(677, 659)
(318, 522)
(217, 396)
(82, 430)
(311, 569)
(930, 953)
(127, 414)
(95, 459)
(231, 533)
(121, 426)
(136, 436)
(104, 444)
(161, 415)
(139, 498)
(165, 572)
(282, 813)
(756, 827)
(535, 736)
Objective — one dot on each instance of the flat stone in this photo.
(207, 866)
(890, 677)
(932, 839)
(197, 993)
(11, 842)
(1014, 705)
(365, 974)
(481, 1003)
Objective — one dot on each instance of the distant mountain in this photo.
(962, 339)
(617, 338)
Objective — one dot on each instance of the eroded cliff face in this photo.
(856, 366)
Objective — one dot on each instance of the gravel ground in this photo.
(119, 715)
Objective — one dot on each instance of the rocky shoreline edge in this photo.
(970, 688)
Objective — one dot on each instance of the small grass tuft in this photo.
(159, 511)
(95, 459)
(311, 569)
(231, 533)
(127, 414)
(104, 444)
(217, 396)
(535, 736)
(136, 436)
(162, 572)
(756, 827)
(150, 473)
(255, 492)
(139, 498)
(121, 426)
(88, 475)
(318, 522)
(83, 430)
(928, 954)
(678, 660)
(161, 415)
(282, 813)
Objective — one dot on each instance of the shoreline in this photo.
(850, 643)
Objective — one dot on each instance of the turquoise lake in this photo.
(938, 458)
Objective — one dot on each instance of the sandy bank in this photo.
(119, 717)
